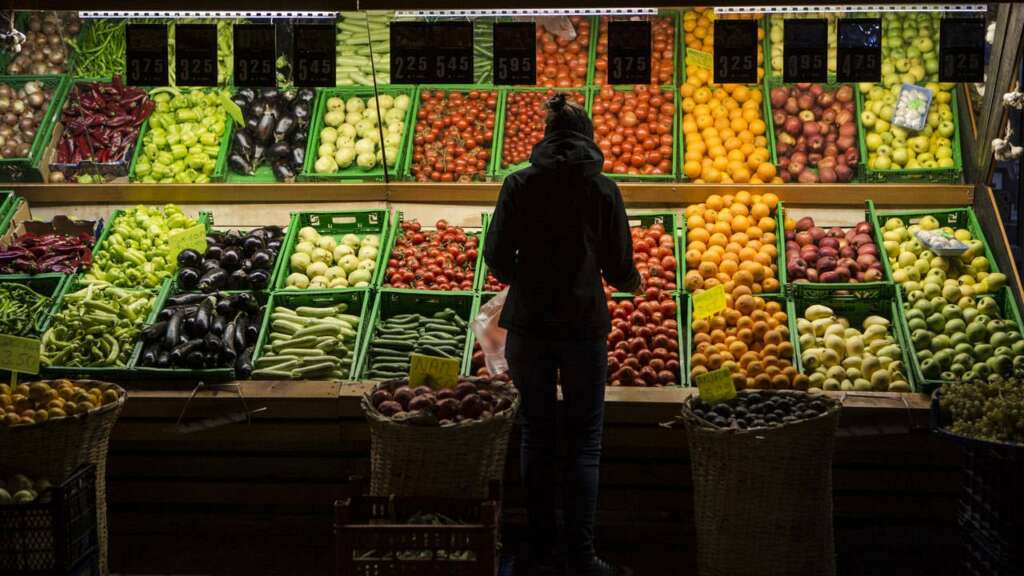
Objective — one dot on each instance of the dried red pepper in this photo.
(101, 122)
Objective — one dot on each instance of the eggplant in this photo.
(213, 343)
(170, 311)
(188, 278)
(264, 129)
(225, 306)
(252, 331)
(246, 303)
(201, 324)
(163, 359)
(228, 338)
(209, 264)
(258, 279)
(239, 101)
(195, 360)
(247, 94)
(274, 231)
(149, 354)
(252, 122)
(242, 142)
(189, 258)
(279, 151)
(298, 157)
(243, 365)
(284, 127)
(302, 133)
(231, 259)
(184, 300)
(283, 172)
(238, 280)
(256, 109)
(251, 245)
(154, 332)
(258, 153)
(240, 165)
(261, 259)
(270, 95)
(214, 279)
(213, 252)
(173, 333)
(306, 95)
(274, 246)
(301, 113)
(218, 323)
(231, 238)
(241, 327)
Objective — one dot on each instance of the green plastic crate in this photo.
(27, 169)
(676, 142)
(188, 374)
(855, 302)
(405, 163)
(674, 15)
(783, 260)
(913, 175)
(8, 217)
(353, 172)
(222, 156)
(675, 225)
(390, 302)
(108, 373)
(359, 301)
(50, 285)
(1007, 307)
(495, 170)
(680, 338)
(7, 199)
(481, 277)
(337, 224)
(953, 217)
(688, 365)
(395, 230)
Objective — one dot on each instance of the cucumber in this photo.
(393, 344)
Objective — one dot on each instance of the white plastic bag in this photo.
(490, 336)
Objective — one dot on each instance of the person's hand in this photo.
(640, 288)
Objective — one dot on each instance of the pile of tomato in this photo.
(524, 123)
(634, 129)
(560, 61)
(454, 132)
(440, 259)
(663, 37)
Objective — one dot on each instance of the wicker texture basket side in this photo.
(456, 461)
(763, 500)
(56, 448)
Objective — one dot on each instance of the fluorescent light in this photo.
(178, 14)
(526, 12)
(851, 8)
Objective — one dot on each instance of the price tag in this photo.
(699, 58)
(805, 50)
(629, 52)
(859, 50)
(19, 354)
(515, 53)
(195, 54)
(433, 371)
(709, 302)
(432, 52)
(735, 55)
(962, 50)
(255, 53)
(716, 386)
(146, 54)
(190, 238)
(313, 55)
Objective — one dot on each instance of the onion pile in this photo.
(815, 128)
(44, 50)
(21, 113)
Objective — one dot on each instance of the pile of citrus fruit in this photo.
(724, 134)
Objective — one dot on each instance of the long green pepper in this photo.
(94, 328)
(20, 307)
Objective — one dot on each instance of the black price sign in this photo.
(146, 54)
(195, 54)
(515, 53)
(962, 50)
(313, 55)
(629, 52)
(805, 50)
(255, 53)
(859, 50)
(432, 52)
(735, 57)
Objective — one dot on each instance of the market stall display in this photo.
(357, 133)
(363, 47)
(663, 51)
(443, 258)
(28, 105)
(833, 256)
(524, 113)
(47, 253)
(232, 261)
(453, 135)
(645, 145)
(271, 143)
(563, 51)
(815, 129)
(644, 343)
(48, 44)
(25, 303)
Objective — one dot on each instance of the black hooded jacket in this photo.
(559, 225)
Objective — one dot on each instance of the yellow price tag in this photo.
(433, 371)
(190, 238)
(709, 302)
(716, 386)
(19, 354)
(699, 58)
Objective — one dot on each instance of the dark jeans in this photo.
(536, 366)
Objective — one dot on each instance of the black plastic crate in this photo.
(54, 535)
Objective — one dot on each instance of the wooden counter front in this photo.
(256, 498)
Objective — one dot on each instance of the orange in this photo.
(697, 234)
(770, 199)
(766, 171)
(757, 127)
(766, 223)
(691, 169)
(759, 210)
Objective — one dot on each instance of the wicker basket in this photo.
(763, 498)
(452, 461)
(56, 448)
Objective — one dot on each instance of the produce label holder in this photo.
(805, 51)
(146, 51)
(18, 354)
(859, 50)
(716, 386)
(255, 55)
(193, 238)
(709, 302)
(515, 53)
(433, 371)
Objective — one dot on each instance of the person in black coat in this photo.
(559, 226)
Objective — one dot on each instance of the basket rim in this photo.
(374, 416)
(704, 426)
(100, 411)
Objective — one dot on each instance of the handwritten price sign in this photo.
(433, 371)
(716, 386)
(190, 238)
(19, 354)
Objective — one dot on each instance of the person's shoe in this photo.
(597, 567)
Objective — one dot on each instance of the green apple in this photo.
(873, 141)
(900, 156)
(882, 163)
(946, 128)
(924, 44)
(946, 163)
(868, 118)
